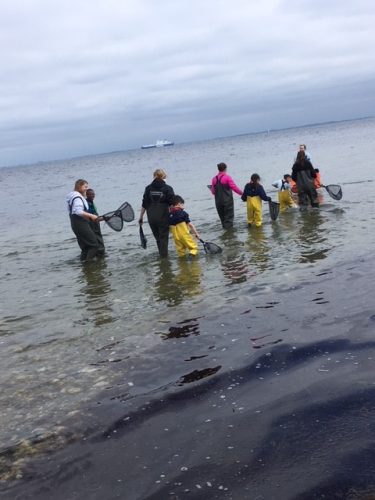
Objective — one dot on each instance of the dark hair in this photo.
(221, 167)
(177, 199)
(286, 176)
(90, 190)
(255, 178)
(301, 157)
(316, 170)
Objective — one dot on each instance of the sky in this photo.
(82, 77)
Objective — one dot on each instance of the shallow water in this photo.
(260, 358)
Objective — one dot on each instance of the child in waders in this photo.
(317, 180)
(179, 224)
(284, 192)
(253, 194)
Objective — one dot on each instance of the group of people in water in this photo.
(166, 214)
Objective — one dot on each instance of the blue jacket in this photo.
(178, 215)
(252, 189)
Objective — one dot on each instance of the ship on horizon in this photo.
(160, 143)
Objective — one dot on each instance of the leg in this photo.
(228, 215)
(302, 199)
(86, 237)
(257, 208)
(163, 238)
(220, 211)
(314, 198)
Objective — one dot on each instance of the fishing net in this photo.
(274, 209)
(334, 190)
(211, 248)
(114, 220)
(142, 237)
(127, 212)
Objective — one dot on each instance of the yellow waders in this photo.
(285, 200)
(254, 210)
(183, 239)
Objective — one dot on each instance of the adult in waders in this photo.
(303, 174)
(157, 199)
(80, 219)
(222, 187)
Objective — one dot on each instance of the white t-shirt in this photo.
(279, 185)
(76, 203)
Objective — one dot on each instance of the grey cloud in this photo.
(115, 74)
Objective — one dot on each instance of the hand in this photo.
(140, 222)
(269, 198)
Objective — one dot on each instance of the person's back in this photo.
(179, 223)
(222, 187)
(157, 198)
(253, 194)
(303, 174)
(284, 192)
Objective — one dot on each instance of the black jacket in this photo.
(306, 167)
(157, 193)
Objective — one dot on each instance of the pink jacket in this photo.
(226, 180)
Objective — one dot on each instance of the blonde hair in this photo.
(79, 183)
(160, 174)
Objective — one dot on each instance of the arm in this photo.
(262, 194)
(78, 208)
(312, 171)
(169, 196)
(195, 232)
(233, 186)
(213, 184)
(245, 193)
(294, 174)
(88, 216)
(140, 220)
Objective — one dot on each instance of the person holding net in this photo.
(222, 187)
(180, 225)
(284, 192)
(90, 196)
(303, 173)
(253, 194)
(80, 218)
(157, 198)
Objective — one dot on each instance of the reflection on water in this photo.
(257, 245)
(174, 287)
(311, 237)
(234, 262)
(96, 289)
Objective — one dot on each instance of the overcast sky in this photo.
(82, 77)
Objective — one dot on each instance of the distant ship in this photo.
(160, 143)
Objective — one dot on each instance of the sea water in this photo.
(247, 374)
